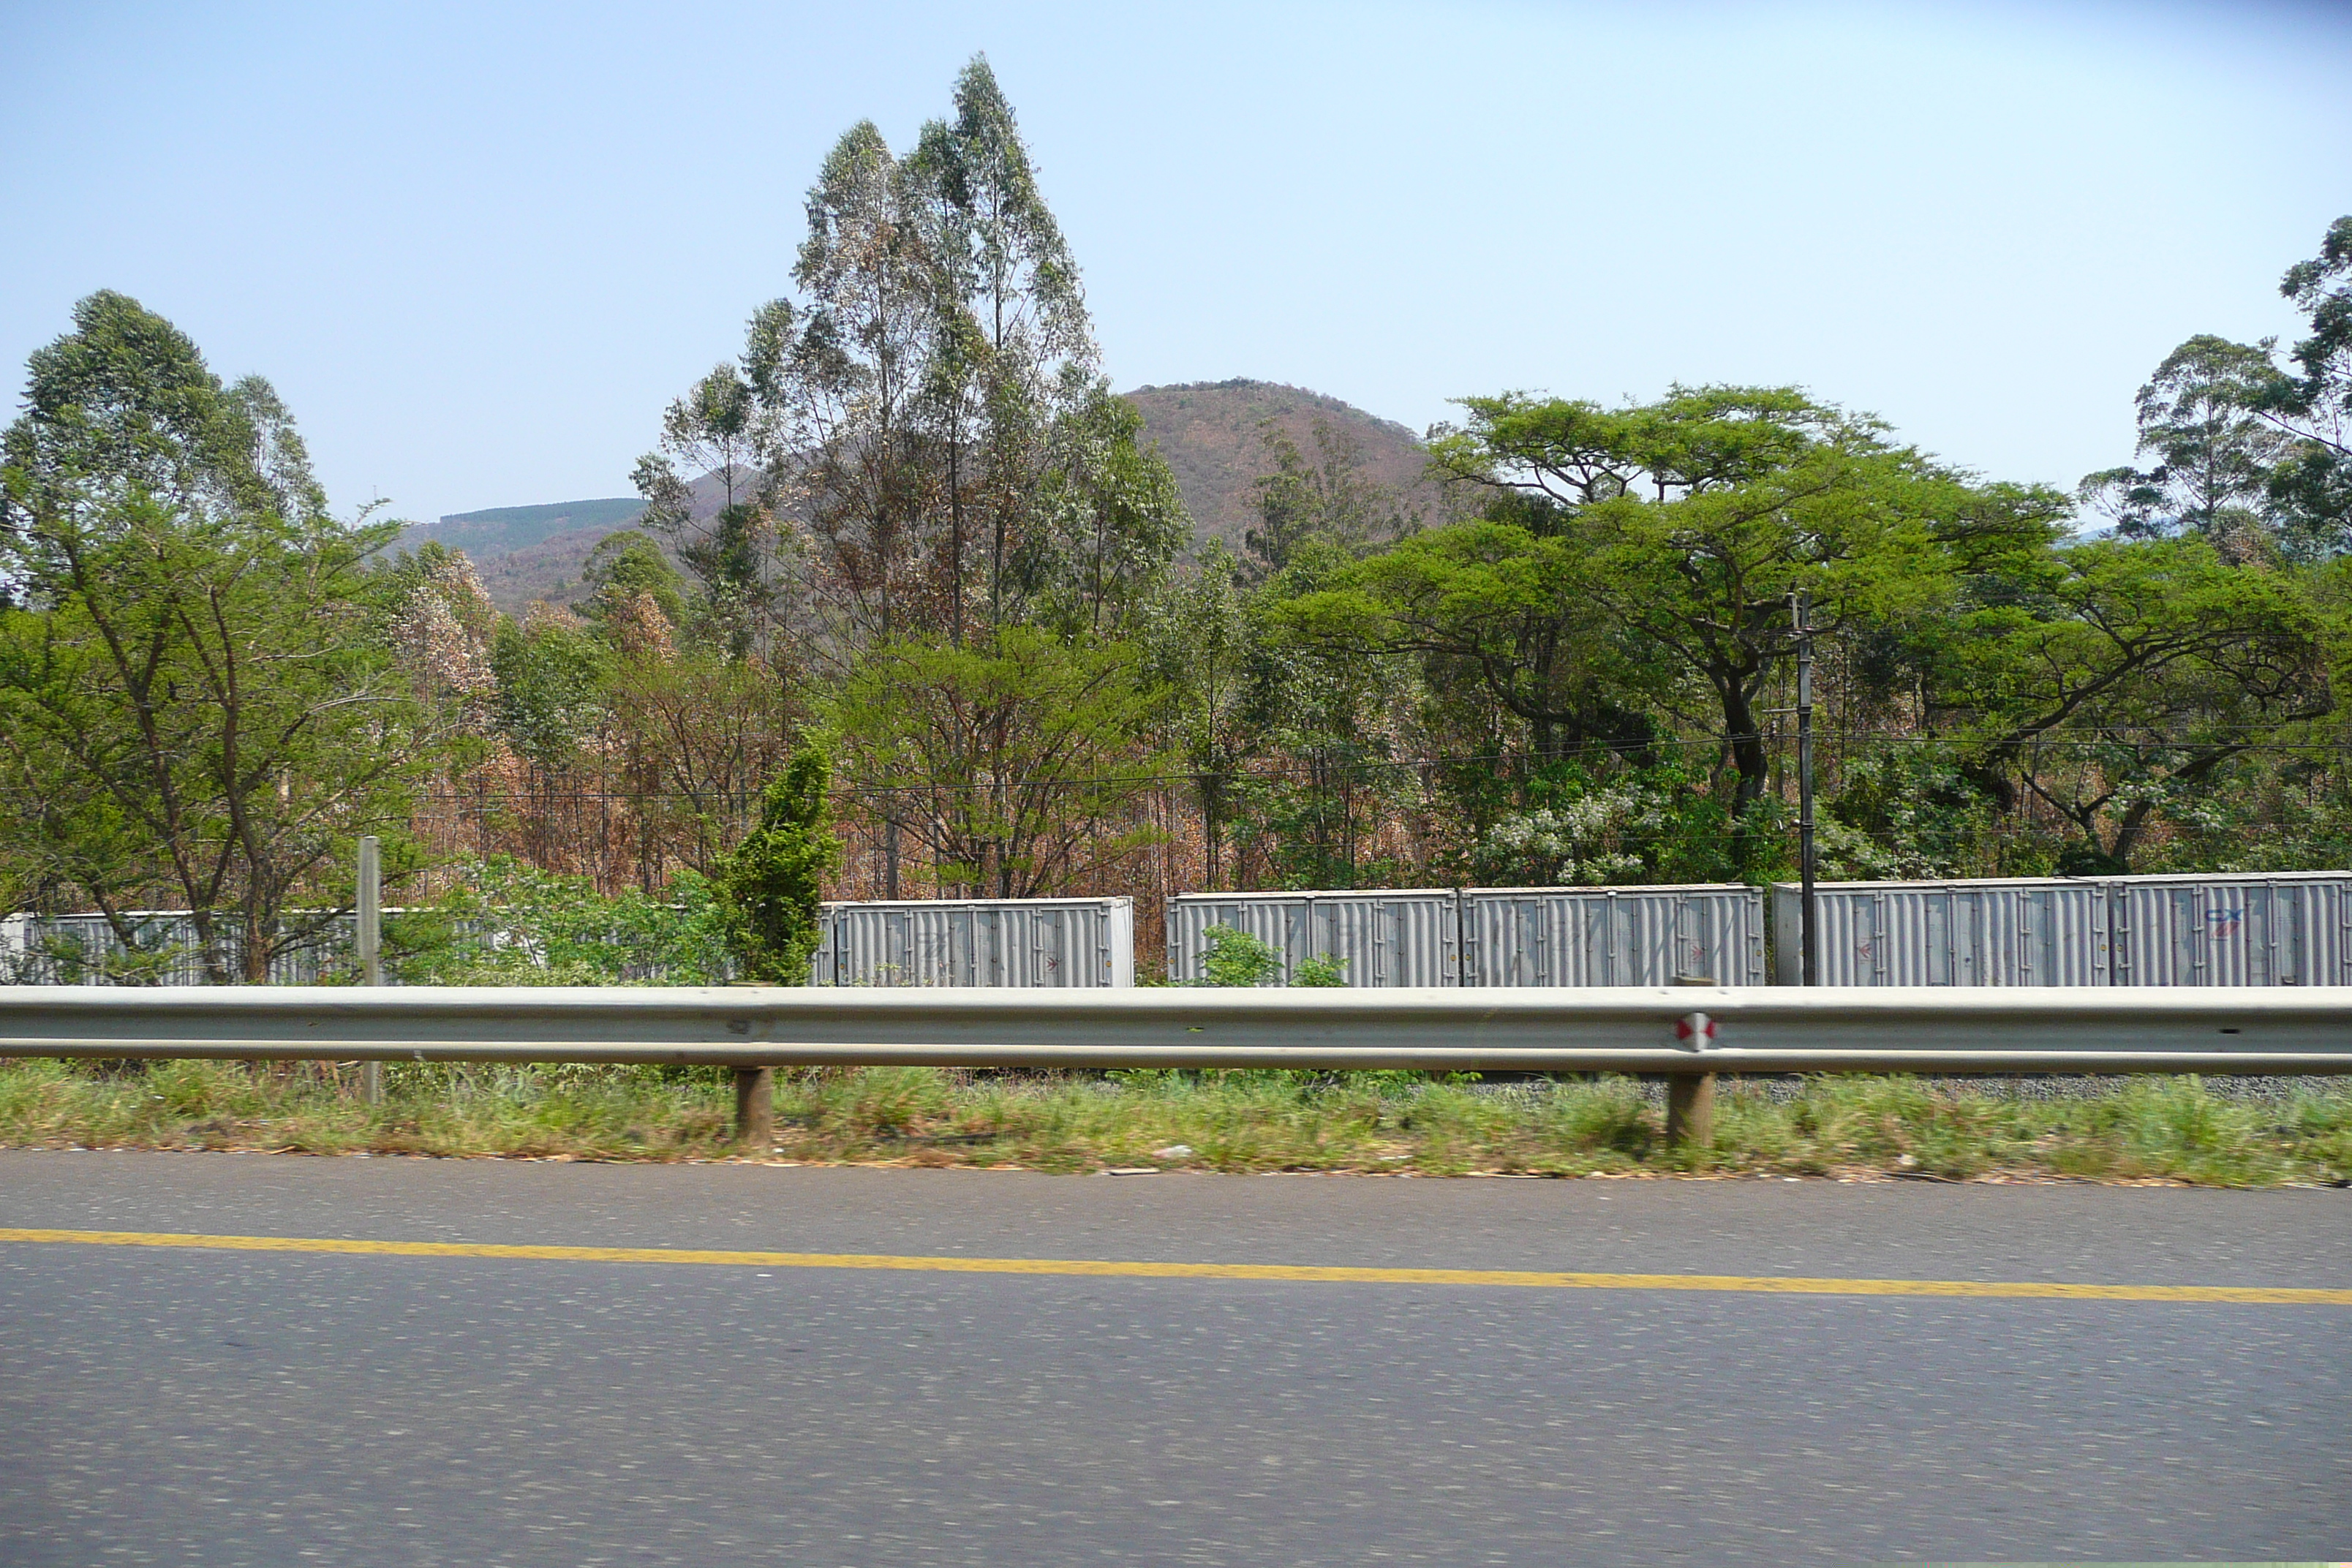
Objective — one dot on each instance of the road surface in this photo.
(210, 1404)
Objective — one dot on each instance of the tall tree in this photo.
(1015, 348)
(1326, 496)
(197, 692)
(1107, 522)
(2311, 484)
(722, 434)
(1202, 641)
(2214, 453)
(847, 382)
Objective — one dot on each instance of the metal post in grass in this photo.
(371, 944)
(1809, 929)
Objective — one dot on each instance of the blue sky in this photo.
(478, 247)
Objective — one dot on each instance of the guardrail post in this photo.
(1690, 1096)
(755, 1107)
(1690, 1109)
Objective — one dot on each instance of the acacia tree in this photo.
(197, 690)
(1690, 522)
(1499, 604)
(1017, 766)
(2113, 679)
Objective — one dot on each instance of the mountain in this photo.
(1212, 433)
(503, 530)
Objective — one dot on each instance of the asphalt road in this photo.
(182, 1406)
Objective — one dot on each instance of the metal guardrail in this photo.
(1682, 1031)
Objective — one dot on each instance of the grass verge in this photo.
(2138, 1130)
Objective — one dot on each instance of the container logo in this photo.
(2222, 925)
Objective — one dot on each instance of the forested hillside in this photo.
(1048, 640)
(1218, 437)
(504, 530)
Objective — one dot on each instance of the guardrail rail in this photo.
(1689, 1033)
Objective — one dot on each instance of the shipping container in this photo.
(1490, 936)
(1380, 937)
(1060, 942)
(2287, 928)
(2235, 929)
(83, 949)
(1990, 931)
(1613, 936)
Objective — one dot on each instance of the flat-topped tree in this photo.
(1676, 532)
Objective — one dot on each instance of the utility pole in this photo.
(370, 943)
(1800, 612)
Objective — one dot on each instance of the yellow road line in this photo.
(1767, 1285)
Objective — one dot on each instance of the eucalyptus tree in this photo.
(846, 374)
(1201, 642)
(1107, 522)
(2251, 455)
(2311, 404)
(725, 439)
(1325, 496)
(2215, 453)
(1015, 351)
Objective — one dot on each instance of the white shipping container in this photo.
(1613, 936)
(1382, 938)
(2038, 930)
(2288, 928)
(1054, 942)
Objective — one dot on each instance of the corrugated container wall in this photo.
(1613, 936)
(2285, 929)
(1057, 942)
(83, 949)
(1491, 936)
(2022, 932)
(1409, 937)
(2279, 929)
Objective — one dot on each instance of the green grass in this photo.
(2142, 1129)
